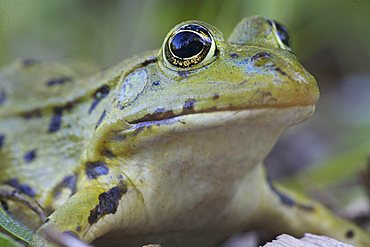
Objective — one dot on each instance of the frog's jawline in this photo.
(168, 115)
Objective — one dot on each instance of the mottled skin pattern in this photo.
(147, 152)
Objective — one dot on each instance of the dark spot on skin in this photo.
(71, 233)
(259, 56)
(284, 199)
(107, 153)
(96, 169)
(108, 203)
(101, 118)
(99, 94)
(30, 156)
(288, 201)
(280, 71)
(183, 74)
(29, 62)
(78, 229)
(234, 55)
(58, 81)
(156, 83)
(216, 96)
(350, 233)
(56, 120)
(23, 188)
(2, 97)
(2, 140)
(67, 182)
(189, 105)
(32, 114)
(46, 220)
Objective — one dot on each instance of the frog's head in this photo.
(198, 70)
(201, 79)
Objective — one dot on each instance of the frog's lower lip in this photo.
(169, 115)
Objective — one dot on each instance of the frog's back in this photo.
(27, 85)
(33, 131)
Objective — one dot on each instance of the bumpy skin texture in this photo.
(147, 152)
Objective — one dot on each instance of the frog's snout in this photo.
(275, 78)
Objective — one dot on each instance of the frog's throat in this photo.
(282, 116)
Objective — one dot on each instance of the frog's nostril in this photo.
(261, 59)
(260, 55)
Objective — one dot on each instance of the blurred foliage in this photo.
(107, 31)
(332, 171)
(331, 38)
(6, 241)
(13, 228)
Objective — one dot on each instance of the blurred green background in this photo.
(331, 38)
(107, 31)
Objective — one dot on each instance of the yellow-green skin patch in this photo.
(146, 152)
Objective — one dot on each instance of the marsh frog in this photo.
(165, 147)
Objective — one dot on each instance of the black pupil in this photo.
(283, 33)
(186, 44)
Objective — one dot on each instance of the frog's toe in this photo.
(22, 206)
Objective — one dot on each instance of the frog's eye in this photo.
(281, 33)
(189, 45)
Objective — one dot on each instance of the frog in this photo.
(166, 147)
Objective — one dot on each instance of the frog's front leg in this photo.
(283, 211)
(10, 193)
(98, 208)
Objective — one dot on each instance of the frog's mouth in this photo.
(289, 115)
(160, 114)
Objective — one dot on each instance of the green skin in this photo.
(169, 155)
